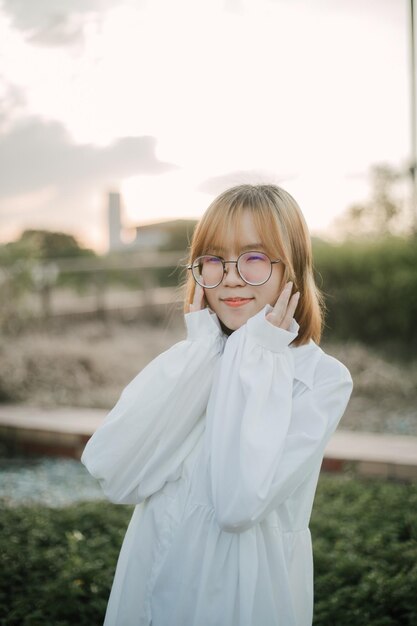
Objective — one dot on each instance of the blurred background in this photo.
(120, 121)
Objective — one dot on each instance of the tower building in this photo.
(114, 221)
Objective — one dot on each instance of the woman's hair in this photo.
(284, 234)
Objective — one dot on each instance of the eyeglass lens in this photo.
(253, 267)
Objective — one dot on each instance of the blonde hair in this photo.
(285, 235)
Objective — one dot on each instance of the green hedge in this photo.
(58, 564)
(370, 290)
(365, 553)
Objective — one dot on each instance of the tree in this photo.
(385, 213)
(43, 245)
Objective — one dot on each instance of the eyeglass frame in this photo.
(223, 262)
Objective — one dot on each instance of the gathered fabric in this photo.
(219, 443)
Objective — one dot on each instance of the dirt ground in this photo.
(89, 363)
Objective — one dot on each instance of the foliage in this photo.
(370, 284)
(385, 212)
(30, 263)
(370, 289)
(42, 245)
(58, 564)
(365, 553)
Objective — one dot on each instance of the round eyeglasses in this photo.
(254, 268)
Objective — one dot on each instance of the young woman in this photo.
(220, 439)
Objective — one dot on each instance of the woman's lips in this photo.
(236, 302)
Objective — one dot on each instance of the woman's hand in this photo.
(198, 300)
(281, 315)
(284, 309)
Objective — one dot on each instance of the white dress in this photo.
(219, 442)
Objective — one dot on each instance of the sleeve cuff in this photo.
(269, 336)
(201, 323)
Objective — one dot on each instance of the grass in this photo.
(84, 364)
(58, 564)
(89, 363)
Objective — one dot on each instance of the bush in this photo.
(370, 289)
(365, 553)
(58, 564)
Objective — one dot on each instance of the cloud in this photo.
(12, 102)
(234, 6)
(36, 153)
(53, 23)
(49, 182)
(218, 184)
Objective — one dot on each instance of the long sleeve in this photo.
(156, 422)
(263, 440)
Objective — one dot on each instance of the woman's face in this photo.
(252, 298)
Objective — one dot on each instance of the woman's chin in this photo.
(230, 325)
(233, 318)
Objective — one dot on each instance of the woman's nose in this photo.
(231, 276)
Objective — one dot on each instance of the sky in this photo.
(171, 102)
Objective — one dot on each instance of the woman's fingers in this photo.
(284, 309)
(289, 315)
(278, 312)
(197, 303)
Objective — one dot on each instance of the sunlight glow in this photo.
(304, 91)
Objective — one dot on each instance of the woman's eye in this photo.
(255, 257)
